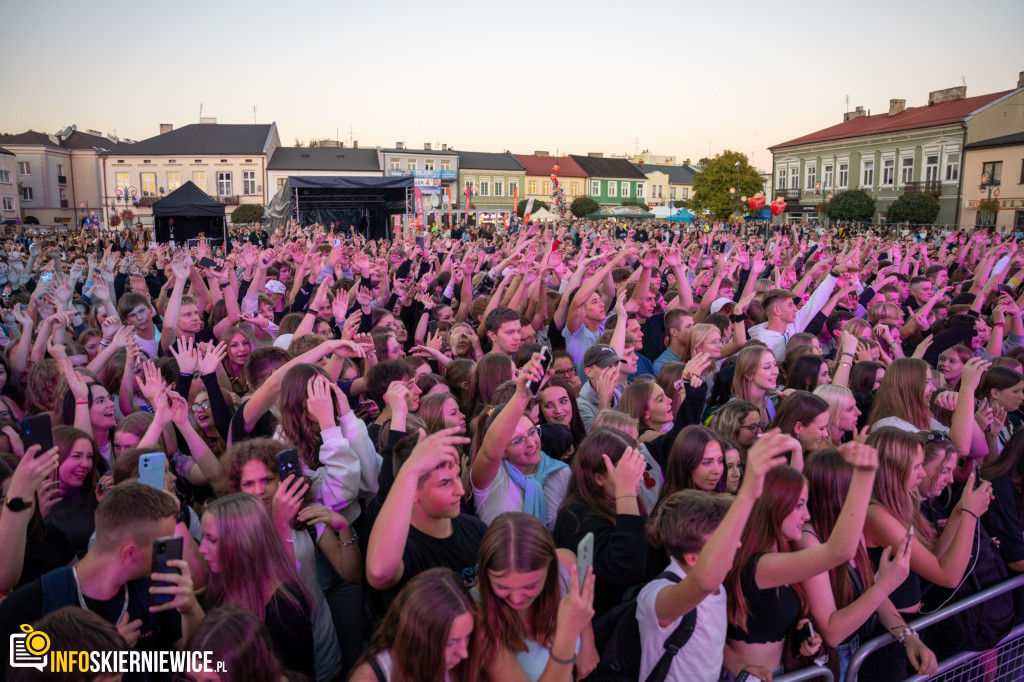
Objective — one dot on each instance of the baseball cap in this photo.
(720, 303)
(275, 287)
(601, 355)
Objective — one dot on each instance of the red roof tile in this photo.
(910, 119)
(541, 165)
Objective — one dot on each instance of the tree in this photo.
(247, 213)
(680, 203)
(711, 185)
(583, 206)
(636, 202)
(853, 205)
(537, 205)
(913, 208)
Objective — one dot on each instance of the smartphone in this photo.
(165, 550)
(37, 430)
(747, 676)
(545, 362)
(46, 277)
(288, 464)
(152, 467)
(209, 263)
(489, 249)
(584, 557)
(910, 537)
(419, 242)
(432, 326)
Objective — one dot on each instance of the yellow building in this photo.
(666, 184)
(537, 183)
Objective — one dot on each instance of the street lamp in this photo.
(129, 195)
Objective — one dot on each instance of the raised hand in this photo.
(211, 358)
(288, 500)
(187, 355)
(320, 402)
(627, 473)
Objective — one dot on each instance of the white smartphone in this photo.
(584, 557)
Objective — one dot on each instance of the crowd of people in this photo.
(465, 458)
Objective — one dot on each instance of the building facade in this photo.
(320, 162)
(666, 183)
(436, 173)
(612, 181)
(1001, 161)
(907, 150)
(227, 162)
(10, 209)
(493, 180)
(539, 168)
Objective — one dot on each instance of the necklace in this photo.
(81, 597)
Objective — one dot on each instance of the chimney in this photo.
(166, 128)
(856, 113)
(444, 147)
(426, 146)
(596, 155)
(1020, 80)
(897, 106)
(355, 144)
(399, 145)
(640, 163)
(329, 143)
(541, 154)
(947, 95)
(212, 120)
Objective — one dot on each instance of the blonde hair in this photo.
(698, 335)
(839, 399)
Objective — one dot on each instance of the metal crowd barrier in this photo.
(1002, 663)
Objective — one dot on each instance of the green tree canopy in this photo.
(537, 205)
(913, 208)
(636, 202)
(711, 185)
(583, 206)
(247, 213)
(853, 205)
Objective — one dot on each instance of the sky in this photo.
(675, 78)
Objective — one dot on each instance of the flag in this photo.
(420, 219)
(528, 211)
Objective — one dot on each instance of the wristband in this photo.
(965, 511)
(312, 311)
(569, 661)
(998, 324)
(225, 285)
(846, 352)
(738, 318)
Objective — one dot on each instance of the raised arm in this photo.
(492, 449)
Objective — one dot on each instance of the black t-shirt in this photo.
(75, 516)
(654, 332)
(457, 552)
(1005, 519)
(264, 427)
(49, 551)
(291, 632)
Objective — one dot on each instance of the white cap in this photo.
(720, 303)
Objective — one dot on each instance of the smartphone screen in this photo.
(584, 557)
(545, 362)
(288, 463)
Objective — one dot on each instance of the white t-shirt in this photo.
(504, 496)
(904, 425)
(386, 664)
(700, 659)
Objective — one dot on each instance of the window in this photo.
(907, 171)
(624, 190)
(122, 181)
(547, 187)
(826, 177)
(812, 176)
(931, 168)
(60, 169)
(595, 188)
(485, 188)
(531, 187)
(953, 167)
(994, 170)
(224, 183)
(148, 184)
(639, 191)
(612, 188)
(446, 165)
(8, 203)
(513, 185)
(280, 183)
(672, 193)
(888, 168)
(428, 165)
(782, 178)
(24, 168)
(844, 174)
(794, 177)
(686, 192)
(248, 182)
(411, 164)
(499, 188)
(869, 174)
(574, 187)
(5, 177)
(396, 164)
(26, 194)
(63, 194)
(173, 181)
(199, 179)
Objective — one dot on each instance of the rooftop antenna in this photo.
(963, 81)
(350, 136)
(847, 104)
(254, 113)
(636, 145)
(200, 111)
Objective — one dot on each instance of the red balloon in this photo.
(778, 207)
(555, 168)
(756, 203)
(553, 176)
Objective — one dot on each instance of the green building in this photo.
(903, 151)
(493, 180)
(612, 181)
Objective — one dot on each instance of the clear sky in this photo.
(672, 77)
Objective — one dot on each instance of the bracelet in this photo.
(82, 402)
(184, 374)
(564, 661)
(998, 324)
(312, 311)
(968, 511)
(846, 352)
(346, 543)
(225, 285)
(904, 633)
(291, 540)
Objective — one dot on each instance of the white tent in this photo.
(544, 214)
(662, 212)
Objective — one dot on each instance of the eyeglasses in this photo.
(199, 407)
(754, 428)
(565, 372)
(519, 442)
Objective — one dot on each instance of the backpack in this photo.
(617, 634)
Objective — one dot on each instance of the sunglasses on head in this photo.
(934, 436)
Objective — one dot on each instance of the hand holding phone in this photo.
(584, 558)
(288, 464)
(164, 551)
(545, 363)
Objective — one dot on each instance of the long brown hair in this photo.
(684, 457)
(492, 371)
(301, 429)
(415, 629)
(782, 488)
(902, 393)
(240, 641)
(828, 481)
(587, 465)
(1010, 462)
(634, 400)
(897, 450)
(517, 542)
(458, 372)
(65, 437)
(748, 360)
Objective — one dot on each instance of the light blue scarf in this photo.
(532, 486)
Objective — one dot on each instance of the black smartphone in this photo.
(490, 249)
(431, 326)
(545, 362)
(208, 263)
(801, 635)
(37, 430)
(165, 550)
(288, 464)
(419, 242)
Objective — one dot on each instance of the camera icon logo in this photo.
(29, 649)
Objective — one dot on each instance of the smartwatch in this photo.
(18, 504)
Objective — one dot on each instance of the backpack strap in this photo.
(676, 641)
(377, 670)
